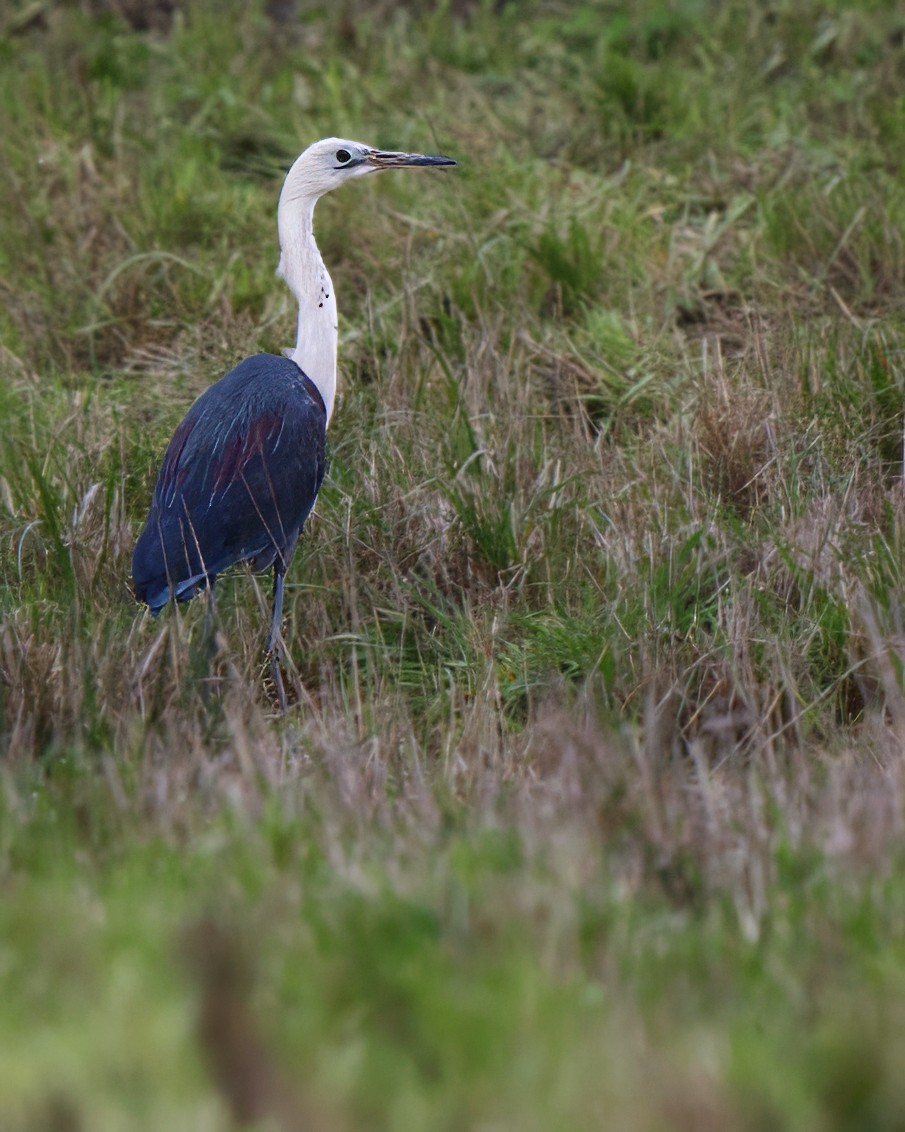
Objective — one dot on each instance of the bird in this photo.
(242, 471)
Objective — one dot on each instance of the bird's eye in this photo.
(343, 156)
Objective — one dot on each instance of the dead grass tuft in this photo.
(736, 430)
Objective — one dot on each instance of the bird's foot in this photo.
(278, 682)
(276, 652)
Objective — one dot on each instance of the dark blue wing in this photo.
(238, 480)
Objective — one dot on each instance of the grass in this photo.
(588, 808)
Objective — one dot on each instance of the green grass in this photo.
(588, 808)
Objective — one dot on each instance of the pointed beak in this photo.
(388, 159)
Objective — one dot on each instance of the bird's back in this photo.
(238, 480)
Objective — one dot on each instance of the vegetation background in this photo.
(589, 809)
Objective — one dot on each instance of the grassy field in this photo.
(588, 811)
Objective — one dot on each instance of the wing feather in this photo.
(237, 482)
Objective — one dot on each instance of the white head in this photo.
(333, 161)
(322, 167)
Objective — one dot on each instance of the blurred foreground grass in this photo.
(589, 810)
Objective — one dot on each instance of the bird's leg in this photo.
(205, 651)
(210, 616)
(275, 638)
(278, 681)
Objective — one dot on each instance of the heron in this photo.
(243, 469)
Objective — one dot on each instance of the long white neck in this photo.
(303, 269)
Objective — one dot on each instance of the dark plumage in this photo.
(238, 480)
(243, 470)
